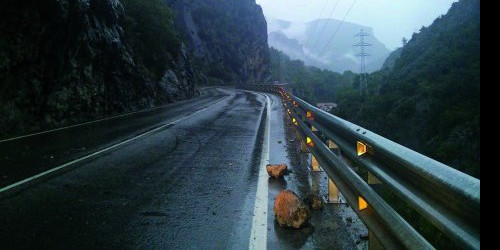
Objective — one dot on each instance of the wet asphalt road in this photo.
(20, 159)
(190, 185)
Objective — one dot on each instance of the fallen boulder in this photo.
(290, 211)
(314, 202)
(277, 171)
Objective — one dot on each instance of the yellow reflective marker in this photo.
(309, 142)
(362, 203)
(362, 148)
(295, 121)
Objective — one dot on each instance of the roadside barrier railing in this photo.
(448, 199)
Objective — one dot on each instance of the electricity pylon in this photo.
(363, 76)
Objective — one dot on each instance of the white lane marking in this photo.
(25, 181)
(87, 123)
(258, 238)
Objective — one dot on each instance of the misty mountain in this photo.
(306, 42)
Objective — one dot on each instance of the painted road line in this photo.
(61, 167)
(258, 237)
(88, 123)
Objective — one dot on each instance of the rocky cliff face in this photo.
(228, 38)
(66, 61)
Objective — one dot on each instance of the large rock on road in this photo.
(277, 171)
(290, 211)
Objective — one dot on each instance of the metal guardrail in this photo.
(447, 198)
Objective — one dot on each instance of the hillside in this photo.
(427, 98)
(303, 41)
(431, 99)
(311, 83)
(390, 62)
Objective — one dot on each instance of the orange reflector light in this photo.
(362, 148)
(295, 104)
(362, 203)
(309, 142)
(309, 115)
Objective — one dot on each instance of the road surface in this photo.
(184, 176)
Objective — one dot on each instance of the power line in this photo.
(326, 24)
(338, 27)
(316, 23)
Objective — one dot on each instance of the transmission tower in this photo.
(363, 76)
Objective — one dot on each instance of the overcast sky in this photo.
(391, 19)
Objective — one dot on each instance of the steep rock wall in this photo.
(228, 38)
(66, 61)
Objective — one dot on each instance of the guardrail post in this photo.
(333, 193)
(297, 135)
(373, 180)
(315, 167)
(316, 183)
(303, 147)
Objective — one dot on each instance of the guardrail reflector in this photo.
(332, 145)
(362, 148)
(309, 142)
(295, 104)
(294, 121)
(362, 204)
(309, 115)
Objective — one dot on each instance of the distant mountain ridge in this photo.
(306, 42)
